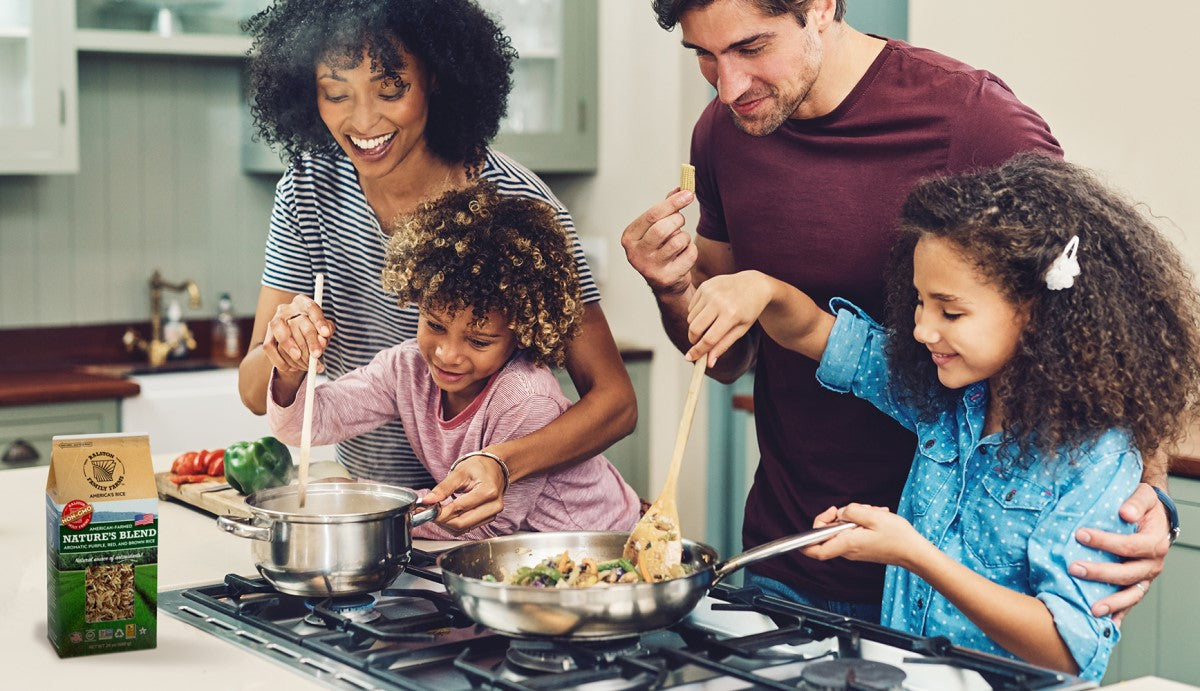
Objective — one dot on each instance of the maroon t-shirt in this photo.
(816, 203)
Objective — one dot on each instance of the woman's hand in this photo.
(722, 310)
(882, 536)
(296, 329)
(475, 486)
(1143, 553)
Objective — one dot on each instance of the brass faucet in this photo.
(156, 348)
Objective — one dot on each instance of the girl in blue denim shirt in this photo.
(1054, 335)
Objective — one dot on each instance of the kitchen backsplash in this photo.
(160, 187)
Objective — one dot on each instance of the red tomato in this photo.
(199, 463)
(182, 465)
(216, 462)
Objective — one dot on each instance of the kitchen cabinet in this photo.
(169, 404)
(26, 430)
(631, 455)
(732, 461)
(1159, 636)
(39, 129)
(165, 27)
(553, 109)
(552, 118)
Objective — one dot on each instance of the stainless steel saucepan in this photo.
(350, 537)
(594, 613)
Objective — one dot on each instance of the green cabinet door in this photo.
(1161, 636)
(630, 455)
(26, 430)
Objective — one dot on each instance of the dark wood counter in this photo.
(1185, 460)
(89, 362)
(58, 386)
(1185, 466)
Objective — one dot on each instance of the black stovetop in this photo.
(412, 636)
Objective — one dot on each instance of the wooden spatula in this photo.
(310, 383)
(655, 544)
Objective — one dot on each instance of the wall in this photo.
(1115, 81)
(159, 186)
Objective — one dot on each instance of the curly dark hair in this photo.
(477, 249)
(668, 11)
(1118, 350)
(468, 58)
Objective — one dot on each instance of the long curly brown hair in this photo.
(1119, 349)
(476, 249)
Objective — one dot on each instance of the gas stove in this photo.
(412, 636)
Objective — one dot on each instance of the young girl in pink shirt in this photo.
(498, 294)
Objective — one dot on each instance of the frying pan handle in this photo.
(777, 547)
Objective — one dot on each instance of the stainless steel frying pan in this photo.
(598, 612)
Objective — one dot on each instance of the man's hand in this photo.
(1143, 553)
(659, 249)
(476, 486)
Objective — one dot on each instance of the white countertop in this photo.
(191, 551)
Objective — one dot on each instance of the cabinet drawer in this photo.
(35, 425)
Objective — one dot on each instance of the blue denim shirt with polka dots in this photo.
(1014, 525)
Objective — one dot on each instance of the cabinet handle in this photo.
(20, 451)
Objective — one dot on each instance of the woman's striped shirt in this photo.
(321, 222)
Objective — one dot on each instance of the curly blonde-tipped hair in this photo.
(477, 249)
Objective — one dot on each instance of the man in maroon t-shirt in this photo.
(802, 162)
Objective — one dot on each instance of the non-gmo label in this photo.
(77, 514)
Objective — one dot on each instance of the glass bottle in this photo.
(226, 336)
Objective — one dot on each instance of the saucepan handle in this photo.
(420, 513)
(244, 527)
(777, 547)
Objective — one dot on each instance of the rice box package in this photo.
(101, 545)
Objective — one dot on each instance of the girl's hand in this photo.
(722, 310)
(297, 328)
(475, 489)
(882, 537)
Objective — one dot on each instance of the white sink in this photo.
(185, 411)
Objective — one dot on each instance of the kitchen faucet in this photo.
(156, 348)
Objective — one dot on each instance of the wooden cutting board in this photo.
(222, 502)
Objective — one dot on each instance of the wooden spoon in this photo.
(655, 544)
(310, 383)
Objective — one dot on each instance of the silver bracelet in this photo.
(489, 454)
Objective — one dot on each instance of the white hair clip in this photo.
(1065, 267)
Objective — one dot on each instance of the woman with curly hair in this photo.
(499, 300)
(1054, 335)
(380, 106)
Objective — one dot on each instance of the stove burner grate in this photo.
(356, 608)
(836, 675)
(550, 656)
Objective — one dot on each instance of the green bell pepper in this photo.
(251, 466)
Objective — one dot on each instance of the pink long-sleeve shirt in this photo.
(521, 398)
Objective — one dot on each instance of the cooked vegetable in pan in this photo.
(563, 572)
